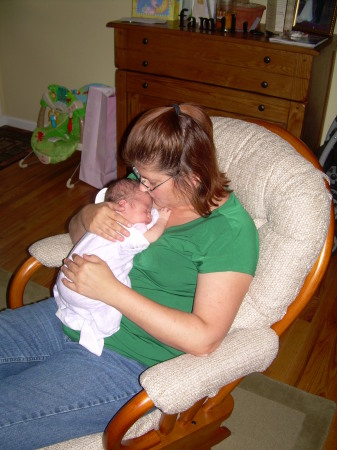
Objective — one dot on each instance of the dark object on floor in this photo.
(14, 145)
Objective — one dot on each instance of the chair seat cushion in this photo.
(89, 442)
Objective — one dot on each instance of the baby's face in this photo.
(139, 211)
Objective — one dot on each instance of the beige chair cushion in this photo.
(52, 250)
(89, 442)
(287, 198)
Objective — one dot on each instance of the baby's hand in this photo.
(164, 213)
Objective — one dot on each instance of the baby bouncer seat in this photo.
(60, 126)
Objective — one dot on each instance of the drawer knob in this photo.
(264, 84)
(145, 85)
(145, 41)
(267, 59)
(261, 107)
(145, 63)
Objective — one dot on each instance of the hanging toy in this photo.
(70, 123)
(39, 136)
(52, 119)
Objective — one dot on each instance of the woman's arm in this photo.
(217, 299)
(101, 219)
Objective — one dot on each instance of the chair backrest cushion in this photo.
(288, 200)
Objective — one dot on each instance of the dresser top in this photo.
(252, 39)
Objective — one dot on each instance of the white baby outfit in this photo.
(94, 319)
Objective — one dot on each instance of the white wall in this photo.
(53, 41)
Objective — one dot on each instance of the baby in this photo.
(94, 319)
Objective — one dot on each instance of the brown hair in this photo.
(178, 140)
(123, 189)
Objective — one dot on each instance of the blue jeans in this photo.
(53, 389)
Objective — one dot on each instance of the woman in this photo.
(186, 289)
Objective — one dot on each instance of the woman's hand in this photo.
(101, 219)
(89, 276)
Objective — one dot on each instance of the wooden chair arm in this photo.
(20, 280)
(124, 419)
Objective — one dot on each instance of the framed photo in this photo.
(156, 9)
(315, 16)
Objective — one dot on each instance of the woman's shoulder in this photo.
(232, 220)
(231, 239)
(232, 207)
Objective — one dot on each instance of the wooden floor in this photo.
(35, 203)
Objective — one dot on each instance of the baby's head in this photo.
(134, 204)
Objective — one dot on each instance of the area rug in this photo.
(268, 414)
(14, 145)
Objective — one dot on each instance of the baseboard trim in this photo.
(18, 123)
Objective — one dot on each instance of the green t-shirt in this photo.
(167, 271)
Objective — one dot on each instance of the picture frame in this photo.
(315, 16)
(156, 9)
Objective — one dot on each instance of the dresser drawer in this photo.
(234, 102)
(224, 63)
(257, 81)
(210, 49)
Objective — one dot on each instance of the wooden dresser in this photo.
(242, 76)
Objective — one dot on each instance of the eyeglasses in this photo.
(141, 180)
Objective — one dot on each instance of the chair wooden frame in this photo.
(200, 426)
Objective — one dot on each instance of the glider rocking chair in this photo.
(185, 401)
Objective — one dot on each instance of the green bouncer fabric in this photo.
(58, 140)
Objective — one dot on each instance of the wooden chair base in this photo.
(191, 430)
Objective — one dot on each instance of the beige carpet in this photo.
(268, 415)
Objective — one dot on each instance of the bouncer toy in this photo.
(60, 125)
